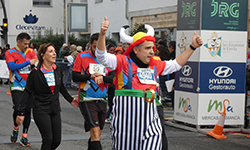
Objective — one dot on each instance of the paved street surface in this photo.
(75, 138)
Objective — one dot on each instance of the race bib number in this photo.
(146, 75)
(50, 79)
(25, 70)
(96, 68)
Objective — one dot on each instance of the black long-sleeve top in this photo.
(44, 100)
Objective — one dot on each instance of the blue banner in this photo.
(187, 78)
(221, 77)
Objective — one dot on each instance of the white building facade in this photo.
(161, 14)
(39, 16)
(33, 16)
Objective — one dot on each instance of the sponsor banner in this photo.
(188, 15)
(185, 108)
(224, 15)
(212, 105)
(223, 46)
(222, 77)
(183, 40)
(4, 73)
(186, 79)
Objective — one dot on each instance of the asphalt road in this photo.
(75, 138)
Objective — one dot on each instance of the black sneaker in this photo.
(24, 142)
(14, 136)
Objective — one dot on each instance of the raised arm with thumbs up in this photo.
(196, 42)
(102, 36)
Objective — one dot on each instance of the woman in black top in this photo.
(46, 81)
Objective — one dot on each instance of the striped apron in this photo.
(135, 123)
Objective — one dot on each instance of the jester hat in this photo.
(138, 38)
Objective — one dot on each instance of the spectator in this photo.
(120, 44)
(79, 49)
(164, 55)
(1, 58)
(6, 47)
(111, 48)
(34, 47)
(70, 59)
(171, 48)
(118, 50)
(73, 51)
(1, 53)
(60, 51)
(125, 46)
(65, 51)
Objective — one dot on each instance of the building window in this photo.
(98, 1)
(41, 2)
(84, 1)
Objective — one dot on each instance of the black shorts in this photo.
(94, 114)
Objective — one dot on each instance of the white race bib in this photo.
(146, 75)
(25, 70)
(50, 79)
(97, 68)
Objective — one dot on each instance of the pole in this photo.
(66, 21)
(5, 16)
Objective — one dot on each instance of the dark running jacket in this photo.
(44, 100)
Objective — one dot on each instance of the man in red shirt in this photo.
(19, 61)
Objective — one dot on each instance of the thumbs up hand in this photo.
(104, 26)
(196, 40)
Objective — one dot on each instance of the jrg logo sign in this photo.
(223, 71)
(188, 9)
(225, 9)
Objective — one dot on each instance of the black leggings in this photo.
(50, 127)
(16, 99)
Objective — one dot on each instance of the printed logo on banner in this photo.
(182, 42)
(186, 79)
(30, 19)
(185, 105)
(214, 44)
(222, 77)
(188, 14)
(223, 71)
(224, 9)
(186, 70)
(220, 107)
(188, 9)
(224, 15)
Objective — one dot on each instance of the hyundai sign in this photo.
(222, 77)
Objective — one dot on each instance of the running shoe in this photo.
(24, 142)
(14, 135)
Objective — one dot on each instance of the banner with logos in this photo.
(213, 79)
(218, 77)
(224, 15)
(186, 107)
(183, 40)
(188, 15)
(186, 79)
(211, 105)
(4, 73)
(223, 46)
